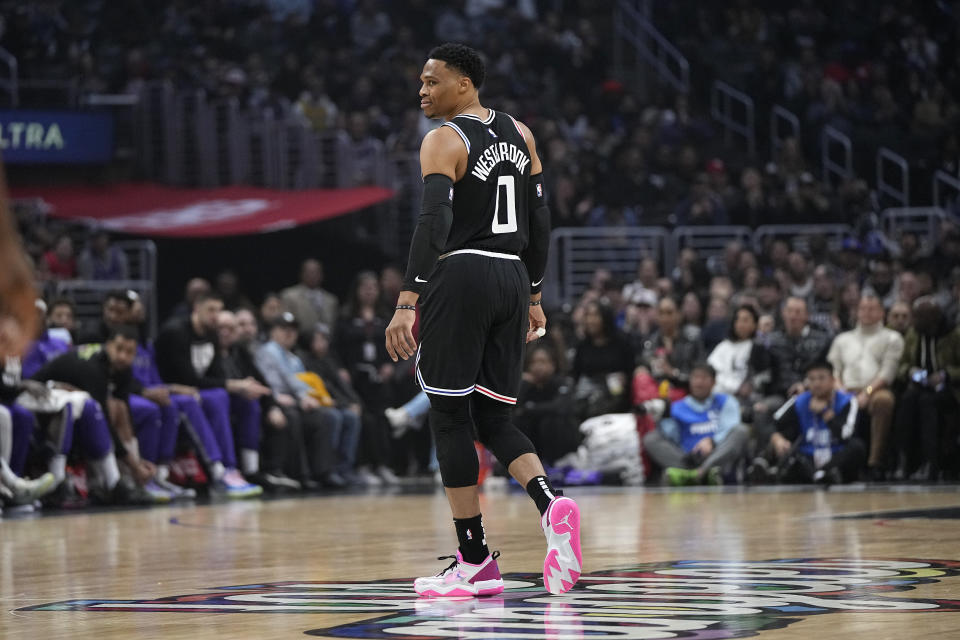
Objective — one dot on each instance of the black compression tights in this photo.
(453, 429)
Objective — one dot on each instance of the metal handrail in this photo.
(902, 195)
(923, 221)
(799, 232)
(844, 171)
(640, 32)
(576, 251)
(779, 114)
(722, 99)
(941, 177)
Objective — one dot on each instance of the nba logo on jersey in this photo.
(539, 190)
(491, 132)
(451, 194)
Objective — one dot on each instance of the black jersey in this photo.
(490, 201)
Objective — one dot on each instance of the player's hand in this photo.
(400, 342)
(537, 321)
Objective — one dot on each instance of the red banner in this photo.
(156, 210)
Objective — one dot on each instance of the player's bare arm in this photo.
(443, 160)
(539, 239)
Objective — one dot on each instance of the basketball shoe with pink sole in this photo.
(564, 561)
(463, 579)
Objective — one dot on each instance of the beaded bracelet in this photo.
(406, 306)
(535, 303)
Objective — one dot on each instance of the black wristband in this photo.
(535, 303)
(406, 306)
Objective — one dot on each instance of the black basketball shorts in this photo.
(473, 326)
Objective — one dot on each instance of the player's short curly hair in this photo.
(462, 58)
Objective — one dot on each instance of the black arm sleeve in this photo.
(535, 255)
(433, 227)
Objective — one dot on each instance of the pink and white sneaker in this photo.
(462, 579)
(561, 526)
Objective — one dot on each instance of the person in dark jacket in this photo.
(545, 406)
(602, 365)
(929, 373)
(187, 354)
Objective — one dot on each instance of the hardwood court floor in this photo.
(141, 555)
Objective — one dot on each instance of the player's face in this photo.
(440, 87)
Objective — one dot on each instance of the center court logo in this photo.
(695, 599)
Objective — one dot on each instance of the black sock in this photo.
(473, 542)
(542, 492)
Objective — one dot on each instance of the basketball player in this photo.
(476, 266)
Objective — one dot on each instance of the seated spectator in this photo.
(101, 261)
(703, 435)
(325, 434)
(228, 286)
(252, 414)
(207, 423)
(926, 416)
(823, 300)
(671, 351)
(195, 288)
(717, 325)
(815, 438)
(691, 311)
(793, 348)
(865, 361)
(60, 263)
(323, 362)
(187, 354)
(248, 329)
(361, 348)
(61, 321)
(309, 301)
(639, 318)
(544, 409)
(743, 366)
(270, 310)
(602, 365)
(899, 317)
(769, 296)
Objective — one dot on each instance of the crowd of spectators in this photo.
(886, 73)
(782, 365)
(352, 67)
(773, 367)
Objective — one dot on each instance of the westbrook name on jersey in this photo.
(490, 203)
(496, 153)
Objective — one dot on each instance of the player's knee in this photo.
(453, 433)
(496, 431)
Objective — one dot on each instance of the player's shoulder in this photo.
(441, 137)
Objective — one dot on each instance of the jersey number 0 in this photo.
(506, 193)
